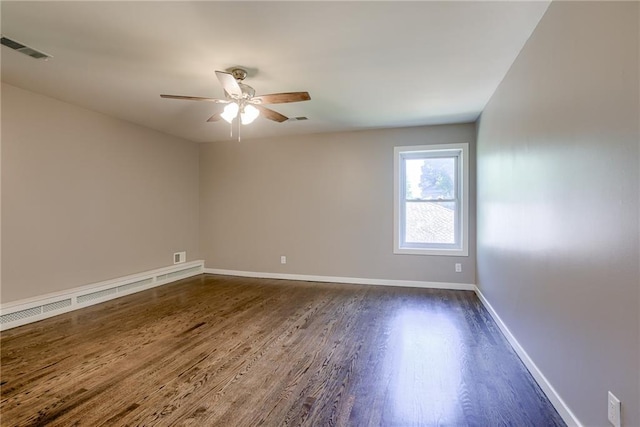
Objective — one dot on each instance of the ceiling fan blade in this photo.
(229, 83)
(214, 118)
(271, 115)
(196, 98)
(281, 98)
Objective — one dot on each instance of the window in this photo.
(431, 208)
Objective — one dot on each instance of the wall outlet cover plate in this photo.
(613, 410)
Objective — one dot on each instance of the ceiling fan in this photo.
(241, 99)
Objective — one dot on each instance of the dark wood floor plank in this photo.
(230, 351)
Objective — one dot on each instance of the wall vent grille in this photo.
(133, 285)
(96, 295)
(19, 315)
(29, 51)
(183, 272)
(56, 305)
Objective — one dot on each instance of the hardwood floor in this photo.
(226, 351)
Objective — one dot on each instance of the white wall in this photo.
(86, 197)
(325, 201)
(558, 212)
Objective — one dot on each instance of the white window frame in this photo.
(461, 247)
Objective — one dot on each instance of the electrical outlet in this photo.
(613, 410)
(283, 259)
(458, 267)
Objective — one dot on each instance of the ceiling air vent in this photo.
(24, 49)
(297, 119)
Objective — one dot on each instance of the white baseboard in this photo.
(553, 396)
(348, 280)
(22, 312)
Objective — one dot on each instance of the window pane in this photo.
(430, 179)
(430, 222)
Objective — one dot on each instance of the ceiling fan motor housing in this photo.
(239, 74)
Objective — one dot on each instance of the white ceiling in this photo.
(365, 64)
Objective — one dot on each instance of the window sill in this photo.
(436, 252)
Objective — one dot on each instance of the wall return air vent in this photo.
(29, 51)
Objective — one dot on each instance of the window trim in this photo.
(463, 189)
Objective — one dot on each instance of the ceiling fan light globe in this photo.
(230, 112)
(249, 114)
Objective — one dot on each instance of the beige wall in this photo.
(87, 198)
(558, 235)
(0, 195)
(325, 201)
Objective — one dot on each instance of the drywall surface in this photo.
(324, 201)
(86, 197)
(558, 187)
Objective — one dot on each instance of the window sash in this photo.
(428, 245)
(459, 199)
